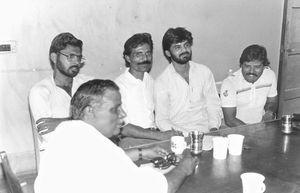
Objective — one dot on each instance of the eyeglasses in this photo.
(71, 57)
(164, 163)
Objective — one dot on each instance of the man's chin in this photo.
(251, 79)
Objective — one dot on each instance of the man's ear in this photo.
(88, 112)
(53, 57)
(167, 52)
(127, 58)
(89, 109)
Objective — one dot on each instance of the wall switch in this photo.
(9, 46)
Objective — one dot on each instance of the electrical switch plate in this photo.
(8, 46)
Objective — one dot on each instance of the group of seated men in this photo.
(183, 98)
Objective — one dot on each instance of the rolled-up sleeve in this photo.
(228, 94)
(39, 102)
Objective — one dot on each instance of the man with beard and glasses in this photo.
(49, 99)
(249, 95)
(185, 93)
(136, 86)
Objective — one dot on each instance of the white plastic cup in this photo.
(253, 182)
(235, 144)
(178, 144)
(220, 145)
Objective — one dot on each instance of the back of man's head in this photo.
(135, 41)
(61, 41)
(255, 53)
(173, 36)
(88, 94)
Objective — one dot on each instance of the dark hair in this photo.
(135, 41)
(61, 41)
(175, 35)
(87, 94)
(254, 52)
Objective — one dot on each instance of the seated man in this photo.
(249, 95)
(86, 161)
(185, 93)
(49, 99)
(136, 85)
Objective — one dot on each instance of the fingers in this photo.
(41, 120)
(176, 132)
(42, 129)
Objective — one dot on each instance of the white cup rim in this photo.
(220, 139)
(236, 136)
(255, 175)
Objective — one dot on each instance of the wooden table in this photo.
(268, 151)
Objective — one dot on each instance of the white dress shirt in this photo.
(48, 100)
(137, 99)
(248, 98)
(187, 106)
(87, 161)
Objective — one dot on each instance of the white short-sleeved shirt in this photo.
(137, 99)
(249, 99)
(48, 100)
(187, 106)
(80, 159)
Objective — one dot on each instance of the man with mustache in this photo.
(185, 93)
(87, 161)
(249, 95)
(49, 99)
(136, 86)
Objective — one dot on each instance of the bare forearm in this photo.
(175, 178)
(133, 154)
(131, 130)
(233, 122)
(271, 107)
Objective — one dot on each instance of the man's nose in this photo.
(122, 114)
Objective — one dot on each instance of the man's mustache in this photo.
(184, 53)
(249, 74)
(145, 62)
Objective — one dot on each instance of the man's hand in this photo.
(153, 151)
(47, 125)
(213, 129)
(188, 163)
(268, 116)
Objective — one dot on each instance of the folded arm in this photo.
(41, 110)
(47, 125)
(130, 130)
(230, 117)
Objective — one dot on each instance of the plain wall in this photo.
(221, 30)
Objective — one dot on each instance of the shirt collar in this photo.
(172, 69)
(132, 78)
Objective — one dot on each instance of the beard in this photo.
(71, 71)
(182, 58)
